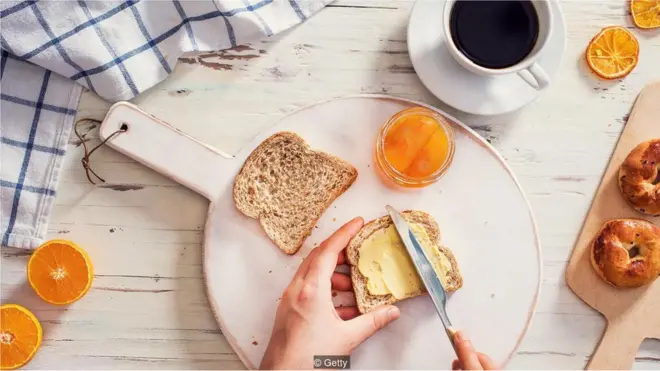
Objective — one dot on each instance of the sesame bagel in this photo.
(639, 177)
(626, 252)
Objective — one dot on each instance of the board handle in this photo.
(617, 349)
(162, 147)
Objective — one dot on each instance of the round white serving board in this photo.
(483, 215)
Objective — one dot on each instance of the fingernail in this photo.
(356, 223)
(459, 336)
(393, 313)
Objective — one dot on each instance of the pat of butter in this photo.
(385, 262)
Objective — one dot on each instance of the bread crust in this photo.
(610, 255)
(288, 204)
(367, 302)
(638, 177)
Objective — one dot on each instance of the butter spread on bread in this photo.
(381, 270)
(388, 268)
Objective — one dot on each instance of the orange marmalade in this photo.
(415, 147)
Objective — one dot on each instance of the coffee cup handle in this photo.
(535, 76)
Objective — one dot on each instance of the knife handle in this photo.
(451, 333)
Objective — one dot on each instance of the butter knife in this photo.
(424, 269)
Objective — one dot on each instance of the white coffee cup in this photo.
(528, 69)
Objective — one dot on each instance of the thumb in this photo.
(366, 325)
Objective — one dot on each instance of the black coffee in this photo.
(494, 34)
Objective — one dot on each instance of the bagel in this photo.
(639, 177)
(626, 252)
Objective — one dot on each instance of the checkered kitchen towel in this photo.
(115, 48)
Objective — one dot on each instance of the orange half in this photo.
(613, 52)
(645, 13)
(60, 272)
(20, 336)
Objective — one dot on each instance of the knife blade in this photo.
(425, 270)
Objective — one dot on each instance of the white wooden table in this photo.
(147, 308)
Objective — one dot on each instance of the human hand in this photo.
(468, 358)
(307, 323)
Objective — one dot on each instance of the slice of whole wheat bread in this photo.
(367, 302)
(286, 185)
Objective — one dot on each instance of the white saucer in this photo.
(464, 90)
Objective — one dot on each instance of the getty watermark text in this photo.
(332, 362)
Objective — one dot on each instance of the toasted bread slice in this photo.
(287, 186)
(367, 302)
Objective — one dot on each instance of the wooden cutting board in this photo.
(632, 314)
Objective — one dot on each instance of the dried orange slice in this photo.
(20, 336)
(613, 52)
(645, 13)
(60, 272)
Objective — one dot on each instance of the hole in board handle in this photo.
(123, 127)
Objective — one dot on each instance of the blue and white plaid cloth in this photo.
(115, 48)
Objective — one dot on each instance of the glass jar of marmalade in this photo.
(415, 147)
